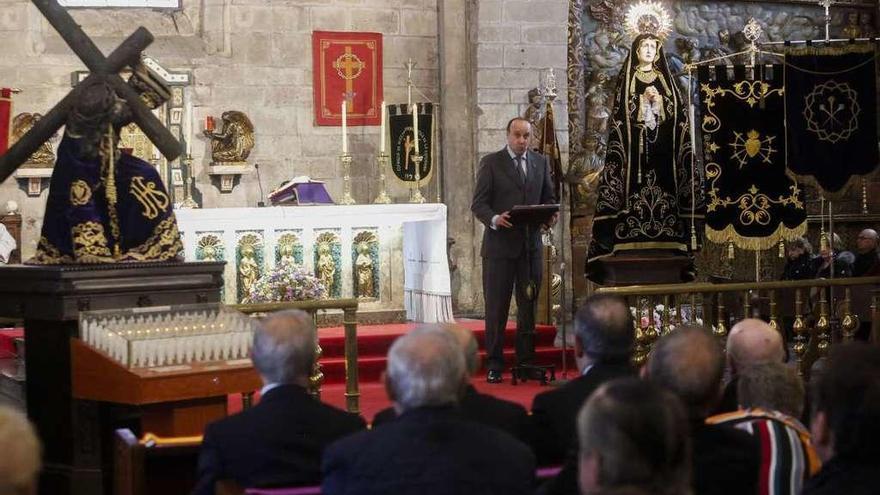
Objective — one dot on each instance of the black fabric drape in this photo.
(751, 201)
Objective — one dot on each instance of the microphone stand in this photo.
(262, 201)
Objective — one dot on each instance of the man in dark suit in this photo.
(279, 441)
(689, 363)
(511, 253)
(481, 408)
(604, 338)
(430, 448)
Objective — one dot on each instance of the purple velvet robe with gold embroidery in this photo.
(82, 225)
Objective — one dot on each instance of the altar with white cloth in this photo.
(388, 256)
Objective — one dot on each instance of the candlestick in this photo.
(382, 162)
(345, 158)
(415, 194)
(415, 114)
(382, 131)
(344, 126)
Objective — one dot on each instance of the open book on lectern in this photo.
(532, 214)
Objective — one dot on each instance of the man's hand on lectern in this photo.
(504, 220)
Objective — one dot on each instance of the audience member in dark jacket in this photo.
(278, 442)
(689, 363)
(604, 338)
(798, 263)
(867, 262)
(481, 408)
(846, 424)
(430, 449)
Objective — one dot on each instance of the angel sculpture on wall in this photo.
(235, 140)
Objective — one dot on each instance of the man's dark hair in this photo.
(511, 121)
(848, 393)
(690, 363)
(639, 431)
(604, 325)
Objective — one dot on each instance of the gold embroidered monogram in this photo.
(80, 193)
(153, 200)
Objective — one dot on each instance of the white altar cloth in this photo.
(427, 293)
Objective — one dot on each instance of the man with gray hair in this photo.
(20, 462)
(430, 448)
(750, 341)
(689, 363)
(278, 442)
(604, 340)
(475, 406)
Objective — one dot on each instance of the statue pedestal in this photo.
(76, 432)
(646, 268)
(228, 173)
(33, 180)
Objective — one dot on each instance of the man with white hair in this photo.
(482, 408)
(430, 448)
(20, 462)
(751, 341)
(278, 442)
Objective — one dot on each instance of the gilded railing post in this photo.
(720, 329)
(747, 304)
(352, 395)
(849, 323)
(799, 328)
(667, 301)
(823, 324)
(774, 312)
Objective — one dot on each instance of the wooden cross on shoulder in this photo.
(100, 68)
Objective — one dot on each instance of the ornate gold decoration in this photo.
(235, 140)
(153, 200)
(90, 243)
(750, 146)
(248, 268)
(210, 245)
(646, 77)
(325, 267)
(648, 17)
(44, 157)
(827, 117)
(363, 264)
(655, 206)
(80, 193)
(287, 244)
(163, 245)
(131, 136)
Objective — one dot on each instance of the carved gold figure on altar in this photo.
(44, 157)
(364, 267)
(326, 266)
(248, 269)
(644, 199)
(235, 140)
(286, 252)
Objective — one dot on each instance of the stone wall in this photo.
(248, 55)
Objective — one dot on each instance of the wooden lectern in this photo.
(76, 396)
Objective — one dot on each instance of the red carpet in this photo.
(7, 341)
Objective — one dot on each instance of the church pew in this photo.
(150, 467)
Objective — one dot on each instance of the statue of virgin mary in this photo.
(649, 192)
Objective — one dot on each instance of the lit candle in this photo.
(415, 112)
(344, 125)
(382, 131)
(209, 123)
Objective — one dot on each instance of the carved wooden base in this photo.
(646, 268)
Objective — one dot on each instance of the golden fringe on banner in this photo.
(841, 194)
(729, 234)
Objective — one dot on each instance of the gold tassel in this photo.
(109, 159)
(781, 248)
(730, 250)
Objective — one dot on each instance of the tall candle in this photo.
(382, 131)
(344, 125)
(415, 112)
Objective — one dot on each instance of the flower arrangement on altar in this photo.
(643, 320)
(287, 282)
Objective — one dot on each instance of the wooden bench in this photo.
(147, 466)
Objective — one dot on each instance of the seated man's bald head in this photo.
(753, 341)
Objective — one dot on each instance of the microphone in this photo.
(261, 203)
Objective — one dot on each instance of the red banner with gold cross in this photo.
(347, 67)
(5, 118)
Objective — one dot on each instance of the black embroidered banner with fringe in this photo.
(831, 109)
(402, 145)
(752, 202)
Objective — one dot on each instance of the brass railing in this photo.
(814, 318)
(349, 309)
